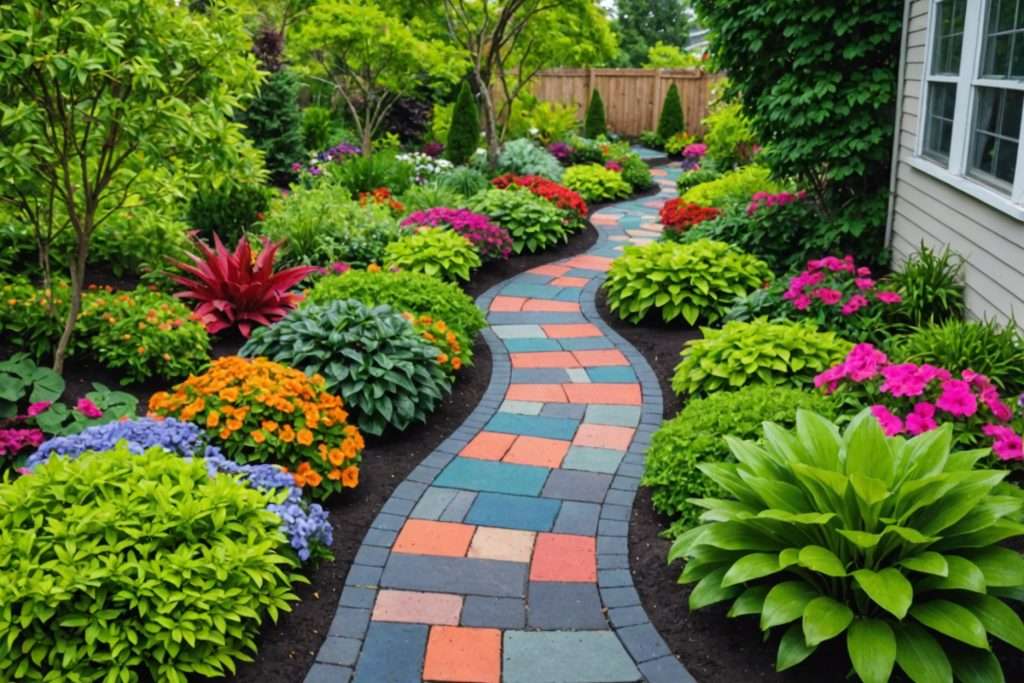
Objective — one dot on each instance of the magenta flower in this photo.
(37, 408)
(888, 297)
(922, 419)
(864, 283)
(1007, 444)
(957, 399)
(828, 296)
(891, 424)
(855, 303)
(88, 408)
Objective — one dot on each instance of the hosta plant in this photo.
(442, 253)
(526, 157)
(738, 185)
(756, 352)
(237, 289)
(372, 357)
(690, 281)
(890, 544)
(596, 183)
(533, 223)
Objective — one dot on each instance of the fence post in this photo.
(590, 89)
(658, 97)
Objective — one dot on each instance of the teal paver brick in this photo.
(566, 657)
(592, 459)
(621, 416)
(586, 343)
(612, 375)
(522, 407)
(568, 294)
(392, 653)
(534, 425)
(496, 477)
(517, 331)
(531, 291)
(527, 345)
(513, 512)
(433, 503)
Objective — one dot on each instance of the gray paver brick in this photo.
(587, 487)
(456, 575)
(503, 613)
(577, 518)
(643, 642)
(567, 606)
(328, 673)
(566, 657)
(350, 622)
(340, 651)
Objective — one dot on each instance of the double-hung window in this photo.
(974, 98)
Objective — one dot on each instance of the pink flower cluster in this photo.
(925, 396)
(695, 151)
(833, 281)
(491, 241)
(762, 199)
(13, 441)
(613, 166)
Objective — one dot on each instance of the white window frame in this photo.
(956, 172)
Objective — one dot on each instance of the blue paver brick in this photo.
(339, 651)
(643, 642)
(350, 622)
(353, 596)
(539, 376)
(528, 345)
(493, 476)
(612, 375)
(665, 670)
(574, 411)
(328, 673)
(455, 575)
(459, 507)
(503, 613)
(565, 606)
(586, 343)
(587, 487)
(531, 291)
(534, 425)
(433, 503)
(513, 512)
(392, 653)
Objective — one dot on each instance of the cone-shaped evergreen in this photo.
(274, 124)
(671, 121)
(464, 133)
(594, 124)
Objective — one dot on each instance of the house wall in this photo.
(930, 210)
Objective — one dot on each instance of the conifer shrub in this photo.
(671, 121)
(594, 125)
(464, 133)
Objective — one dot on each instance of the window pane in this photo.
(1003, 42)
(949, 36)
(996, 134)
(939, 124)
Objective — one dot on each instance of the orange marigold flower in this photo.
(269, 426)
(336, 456)
(457, 363)
(305, 437)
(213, 419)
(234, 425)
(334, 475)
(373, 268)
(225, 433)
(287, 434)
(258, 436)
(230, 394)
(142, 350)
(440, 326)
(442, 358)
(350, 477)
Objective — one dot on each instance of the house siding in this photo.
(929, 211)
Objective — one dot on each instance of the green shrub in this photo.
(361, 174)
(274, 124)
(994, 350)
(594, 123)
(587, 150)
(729, 137)
(136, 564)
(671, 120)
(405, 291)
(735, 186)
(139, 240)
(545, 121)
(595, 183)
(429, 196)
(636, 172)
(892, 544)
(766, 302)
(26, 321)
(444, 254)
(320, 128)
(386, 374)
(932, 287)
(758, 352)
(464, 180)
(694, 281)
(689, 179)
(697, 435)
(533, 223)
(464, 130)
(651, 140)
(526, 157)
(320, 226)
(228, 210)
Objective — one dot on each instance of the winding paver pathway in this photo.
(503, 558)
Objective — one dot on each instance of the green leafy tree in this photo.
(464, 132)
(642, 24)
(671, 120)
(371, 59)
(664, 56)
(594, 124)
(96, 98)
(818, 81)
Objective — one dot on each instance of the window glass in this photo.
(996, 134)
(939, 126)
(949, 37)
(1003, 41)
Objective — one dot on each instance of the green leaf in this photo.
(749, 602)
(920, 656)
(821, 560)
(1002, 567)
(792, 649)
(750, 567)
(997, 617)
(976, 666)
(889, 589)
(867, 450)
(928, 562)
(785, 602)
(872, 648)
(825, 618)
(709, 590)
(953, 620)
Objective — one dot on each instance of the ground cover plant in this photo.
(441, 253)
(258, 411)
(821, 538)
(526, 157)
(690, 281)
(492, 242)
(533, 223)
(388, 375)
(756, 352)
(931, 285)
(596, 183)
(697, 176)
(738, 185)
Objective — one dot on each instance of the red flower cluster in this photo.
(679, 216)
(556, 193)
(382, 196)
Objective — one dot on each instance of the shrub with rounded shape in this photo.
(693, 281)
(735, 186)
(730, 139)
(892, 545)
(556, 193)
(534, 224)
(211, 558)
(442, 253)
(697, 435)
(636, 172)
(429, 196)
(372, 357)
(596, 183)
(261, 411)
(526, 157)
(321, 225)
(678, 216)
(406, 291)
(464, 180)
(756, 352)
(698, 176)
(491, 241)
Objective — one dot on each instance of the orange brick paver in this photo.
(538, 451)
(564, 557)
(463, 655)
(426, 537)
(488, 446)
(605, 394)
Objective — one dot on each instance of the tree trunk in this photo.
(43, 250)
(367, 140)
(490, 120)
(77, 285)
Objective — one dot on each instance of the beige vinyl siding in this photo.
(936, 213)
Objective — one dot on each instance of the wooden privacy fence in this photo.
(632, 97)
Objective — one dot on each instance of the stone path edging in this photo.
(503, 556)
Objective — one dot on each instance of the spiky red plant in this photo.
(234, 289)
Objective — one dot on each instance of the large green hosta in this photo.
(890, 543)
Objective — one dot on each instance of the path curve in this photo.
(503, 557)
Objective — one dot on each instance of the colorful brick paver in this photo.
(504, 556)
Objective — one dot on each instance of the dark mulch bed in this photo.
(714, 648)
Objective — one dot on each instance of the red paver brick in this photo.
(538, 451)
(550, 306)
(426, 537)
(569, 282)
(571, 330)
(600, 358)
(463, 655)
(552, 270)
(604, 436)
(488, 446)
(563, 557)
(601, 263)
(418, 608)
(599, 219)
(507, 304)
(546, 393)
(544, 359)
(606, 394)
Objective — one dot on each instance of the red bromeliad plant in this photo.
(556, 193)
(679, 216)
(238, 289)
